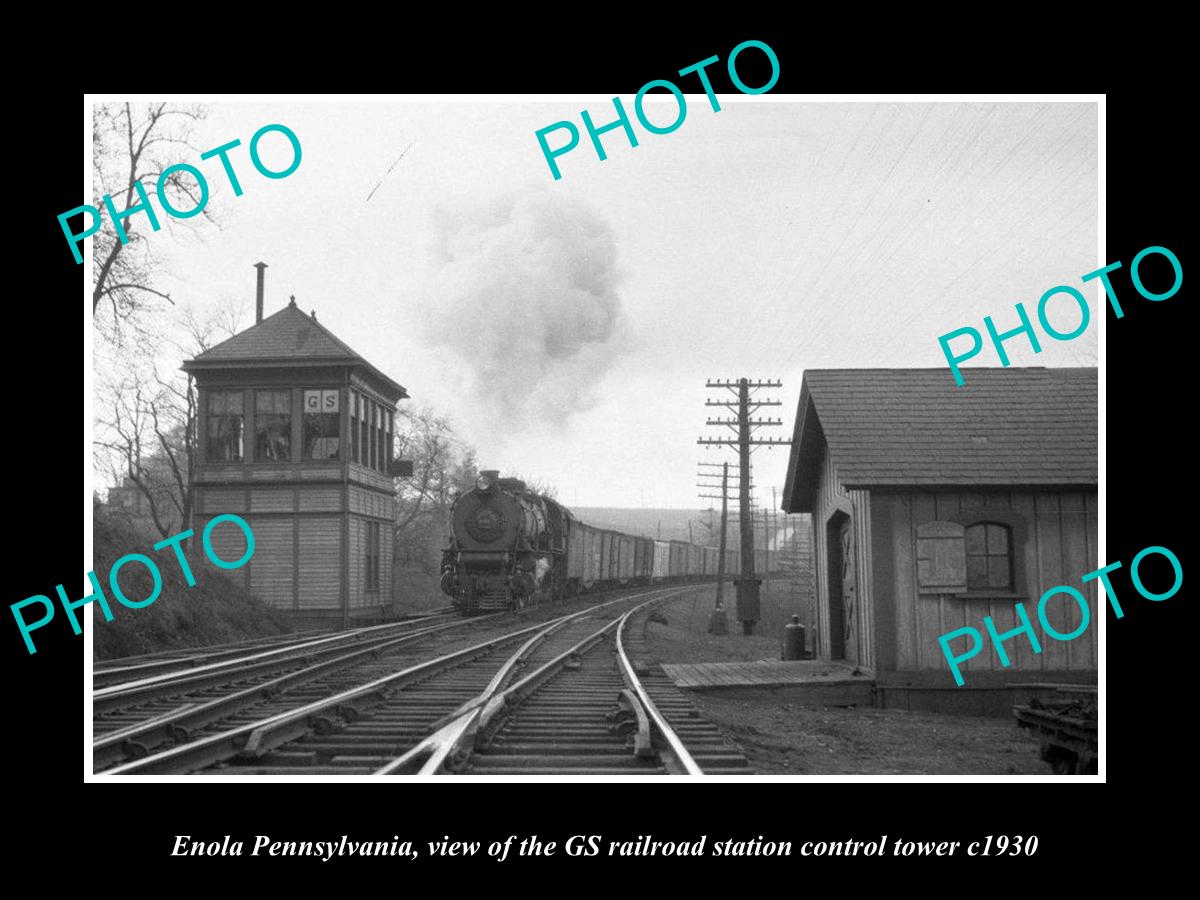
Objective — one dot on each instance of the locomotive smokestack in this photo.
(258, 302)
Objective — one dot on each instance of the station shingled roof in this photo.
(915, 427)
(286, 337)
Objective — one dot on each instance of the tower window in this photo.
(322, 417)
(381, 465)
(371, 567)
(225, 424)
(374, 463)
(273, 426)
(372, 427)
(390, 440)
(364, 453)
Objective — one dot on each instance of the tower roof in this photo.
(287, 337)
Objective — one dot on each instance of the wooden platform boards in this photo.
(832, 683)
(763, 673)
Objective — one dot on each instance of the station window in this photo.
(273, 426)
(321, 425)
(989, 557)
(225, 424)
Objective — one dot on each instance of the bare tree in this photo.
(132, 434)
(133, 144)
(146, 421)
(443, 467)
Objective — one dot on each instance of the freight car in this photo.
(511, 547)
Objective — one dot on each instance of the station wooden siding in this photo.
(1058, 546)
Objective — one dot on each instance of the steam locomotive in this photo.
(511, 548)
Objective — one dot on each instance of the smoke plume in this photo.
(524, 297)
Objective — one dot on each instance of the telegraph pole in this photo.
(775, 529)
(719, 624)
(743, 425)
(767, 551)
(747, 587)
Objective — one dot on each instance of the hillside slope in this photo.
(216, 610)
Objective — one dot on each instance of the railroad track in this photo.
(709, 748)
(244, 666)
(217, 715)
(133, 719)
(108, 673)
(182, 653)
(584, 703)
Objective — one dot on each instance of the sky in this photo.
(567, 327)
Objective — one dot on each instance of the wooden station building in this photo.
(295, 435)
(934, 506)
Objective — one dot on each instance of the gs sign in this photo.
(321, 401)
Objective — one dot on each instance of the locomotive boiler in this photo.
(507, 546)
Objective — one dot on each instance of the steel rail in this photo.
(181, 725)
(177, 653)
(451, 729)
(258, 737)
(681, 757)
(457, 735)
(337, 637)
(121, 675)
(169, 685)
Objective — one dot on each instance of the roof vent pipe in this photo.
(258, 303)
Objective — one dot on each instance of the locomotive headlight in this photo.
(483, 483)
